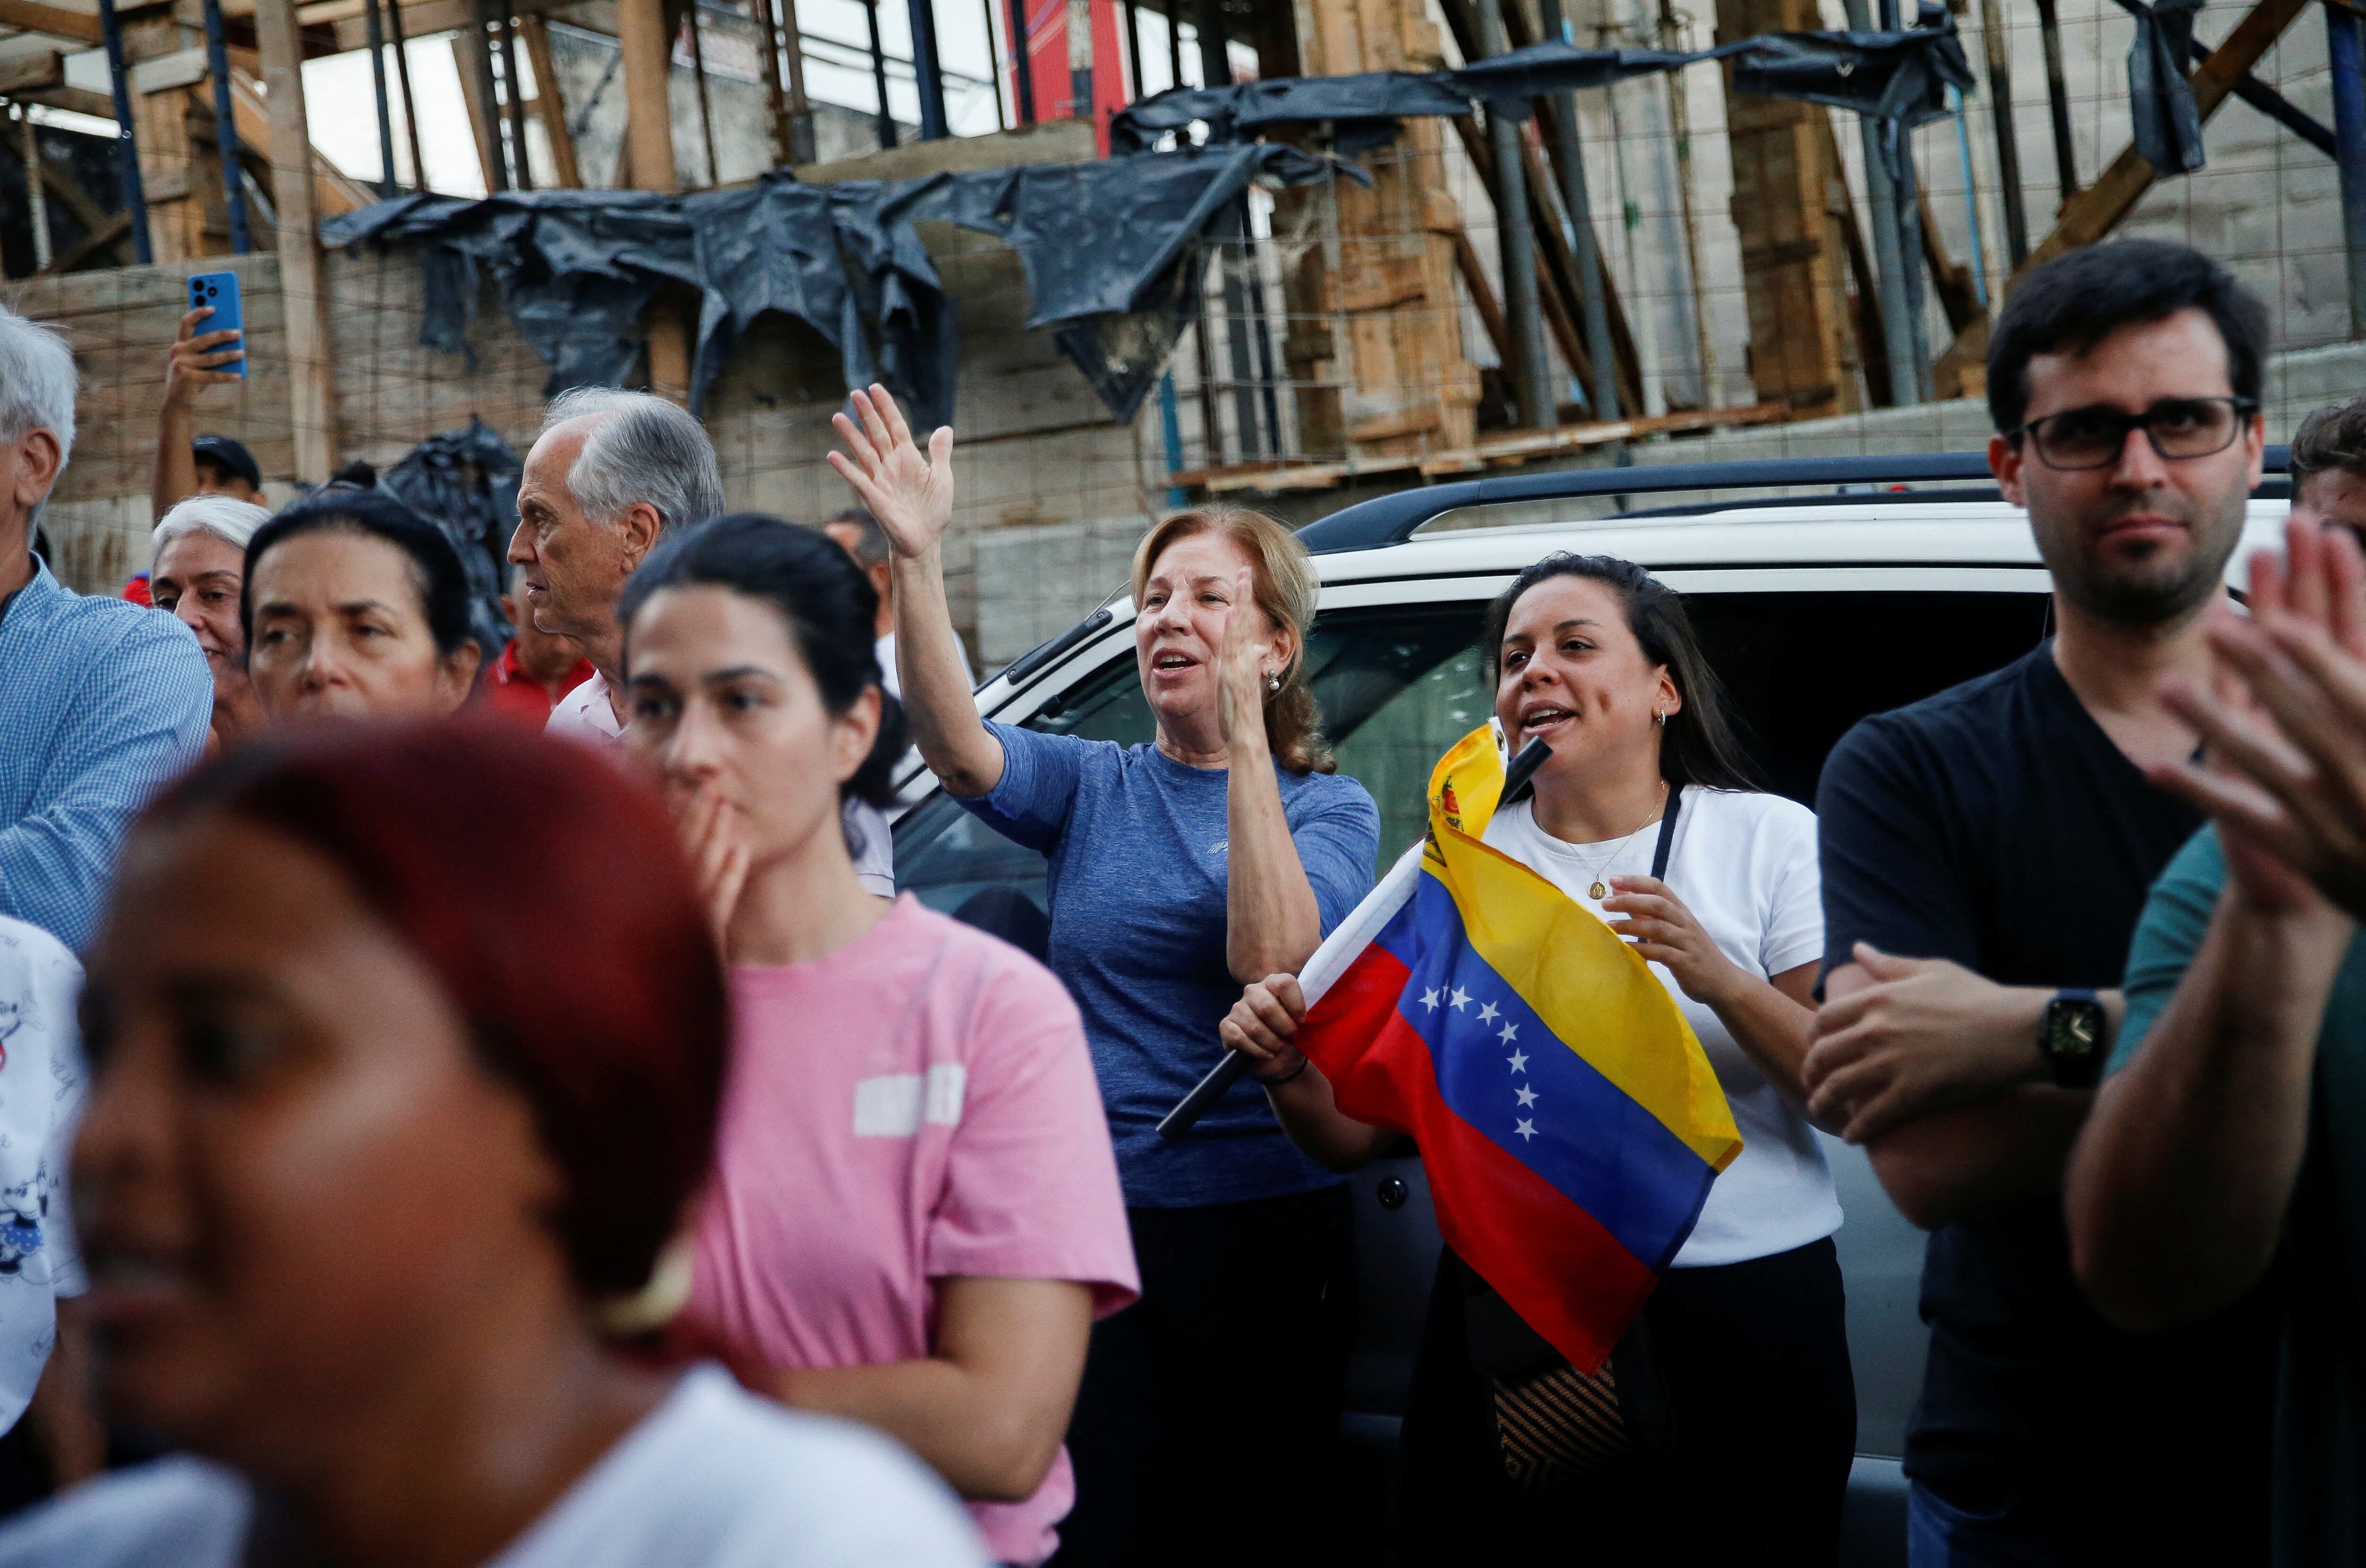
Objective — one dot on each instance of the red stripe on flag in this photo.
(1569, 1277)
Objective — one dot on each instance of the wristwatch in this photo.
(2071, 1038)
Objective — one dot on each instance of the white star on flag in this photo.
(1519, 1061)
(1488, 1012)
(1461, 999)
(1429, 1000)
(1526, 1129)
(1511, 1032)
(1528, 1097)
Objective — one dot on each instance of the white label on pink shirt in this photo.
(893, 1107)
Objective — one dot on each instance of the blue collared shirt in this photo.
(102, 703)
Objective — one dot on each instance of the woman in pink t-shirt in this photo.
(915, 1216)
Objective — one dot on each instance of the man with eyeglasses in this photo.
(1985, 854)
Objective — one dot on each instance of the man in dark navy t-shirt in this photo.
(1985, 854)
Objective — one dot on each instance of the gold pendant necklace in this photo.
(1598, 889)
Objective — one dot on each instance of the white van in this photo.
(1859, 584)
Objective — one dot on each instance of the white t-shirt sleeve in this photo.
(873, 844)
(1793, 919)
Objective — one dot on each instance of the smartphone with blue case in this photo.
(219, 289)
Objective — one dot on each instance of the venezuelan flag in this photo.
(1569, 1120)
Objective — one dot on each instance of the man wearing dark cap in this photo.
(188, 464)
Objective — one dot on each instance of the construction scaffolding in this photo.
(1671, 261)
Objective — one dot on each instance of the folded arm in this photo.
(988, 1410)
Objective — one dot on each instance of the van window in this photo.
(1398, 686)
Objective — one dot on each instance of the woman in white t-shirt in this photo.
(1728, 1419)
(408, 1044)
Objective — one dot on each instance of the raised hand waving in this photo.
(910, 492)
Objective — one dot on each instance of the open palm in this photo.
(910, 492)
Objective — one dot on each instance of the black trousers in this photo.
(1755, 1359)
(1207, 1430)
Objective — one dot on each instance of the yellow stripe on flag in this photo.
(1591, 989)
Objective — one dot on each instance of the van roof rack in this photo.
(1392, 519)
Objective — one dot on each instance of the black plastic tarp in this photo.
(466, 482)
(2165, 122)
(1107, 248)
(1899, 77)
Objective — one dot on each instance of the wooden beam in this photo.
(648, 45)
(1482, 295)
(303, 282)
(51, 21)
(81, 100)
(110, 234)
(550, 102)
(1499, 451)
(334, 191)
(32, 73)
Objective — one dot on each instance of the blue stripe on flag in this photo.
(1502, 1070)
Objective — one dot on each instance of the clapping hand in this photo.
(910, 492)
(1241, 677)
(2287, 743)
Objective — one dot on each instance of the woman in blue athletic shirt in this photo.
(1178, 871)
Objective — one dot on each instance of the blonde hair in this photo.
(1283, 582)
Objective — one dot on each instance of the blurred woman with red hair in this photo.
(380, 1153)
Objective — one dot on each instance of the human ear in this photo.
(38, 459)
(852, 733)
(456, 672)
(638, 529)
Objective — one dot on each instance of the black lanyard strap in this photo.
(1667, 834)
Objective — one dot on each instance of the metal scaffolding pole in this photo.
(497, 168)
(522, 166)
(879, 74)
(410, 110)
(242, 237)
(1001, 119)
(1022, 69)
(377, 32)
(1531, 374)
(2348, 63)
(1898, 337)
(126, 148)
(2057, 99)
(1602, 395)
(800, 148)
(1080, 60)
(927, 70)
(2000, 49)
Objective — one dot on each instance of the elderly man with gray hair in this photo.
(101, 701)
(611, 474)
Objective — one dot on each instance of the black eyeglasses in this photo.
(2177, 427)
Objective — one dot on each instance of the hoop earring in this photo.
(1664, 720)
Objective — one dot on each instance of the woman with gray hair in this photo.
(197, 567)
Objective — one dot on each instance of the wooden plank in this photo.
(81, 100)
(1483, 295)
(549, 101)
(334, 192)
(1273, 478)
(108, 235)
(52, 21)
(312, 372)
(32, 72)
(469, 58)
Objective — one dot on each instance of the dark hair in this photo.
(601, 998)
(826, 600)
(436, 572)
(2329, 439)
(1700, 745)
(871, 544)
(2075, 301)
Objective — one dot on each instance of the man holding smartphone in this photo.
(188, 464)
